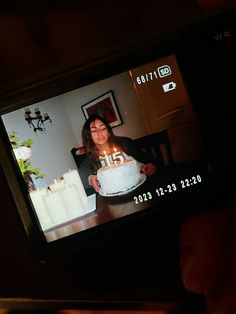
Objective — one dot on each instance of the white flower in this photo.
(23, 153)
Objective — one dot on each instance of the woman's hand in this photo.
(94, 182)
(148, 169)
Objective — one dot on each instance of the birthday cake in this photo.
(116, 178)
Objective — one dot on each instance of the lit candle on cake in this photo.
(106, 157)
(72, 177)
(72, 201)
(102, 160)
(117, 157)
(40, 207)
(56, 207)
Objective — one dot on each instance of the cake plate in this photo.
(141, 181)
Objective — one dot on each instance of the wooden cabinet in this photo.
(165, 105)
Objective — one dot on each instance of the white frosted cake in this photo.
(117, 178)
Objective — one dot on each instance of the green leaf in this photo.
(25, 166)
(27, 143)
(14, 139)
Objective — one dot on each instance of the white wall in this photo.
(51, 151)
(126, 100)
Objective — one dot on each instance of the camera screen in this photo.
(121, 145)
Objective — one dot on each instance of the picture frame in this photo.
(106, 106)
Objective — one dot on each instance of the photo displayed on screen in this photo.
(108, 149)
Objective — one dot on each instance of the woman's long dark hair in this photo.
(90, 146)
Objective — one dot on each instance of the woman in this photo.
(98, 137)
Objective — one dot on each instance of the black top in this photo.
(129, 147)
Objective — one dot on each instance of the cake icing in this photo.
(120, 177)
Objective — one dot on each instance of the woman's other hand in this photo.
(94, 182)
(148, 169)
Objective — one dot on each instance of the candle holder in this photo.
(37, 122)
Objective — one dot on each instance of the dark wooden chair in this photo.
(77, 158)
(157, 148)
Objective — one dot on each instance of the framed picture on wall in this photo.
(106, 106)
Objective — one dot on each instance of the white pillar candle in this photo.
(57, 185)
(56, 207)
(72, 201)
(72, 177)
(40, 207)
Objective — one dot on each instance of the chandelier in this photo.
(37, 121)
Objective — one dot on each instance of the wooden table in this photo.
(175, 184)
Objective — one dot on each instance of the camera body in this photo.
(182, 84)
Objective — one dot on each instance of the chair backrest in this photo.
(77, 158)
(157, 148)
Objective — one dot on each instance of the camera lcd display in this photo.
(150, 152)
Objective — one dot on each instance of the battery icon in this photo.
(169, 86)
